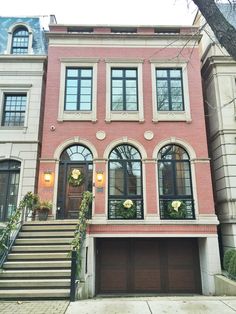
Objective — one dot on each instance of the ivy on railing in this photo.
(27, 203)
(80, 231)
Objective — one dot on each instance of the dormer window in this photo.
(20, 41)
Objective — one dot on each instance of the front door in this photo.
(74, 194)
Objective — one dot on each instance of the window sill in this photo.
(124, 116)
(77, 116)
(172, 116)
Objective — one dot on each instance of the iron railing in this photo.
(185, 211)
(115, 210)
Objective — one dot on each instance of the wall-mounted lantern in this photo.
(47, 178)
(100, 179)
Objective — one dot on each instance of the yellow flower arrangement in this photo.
(75, 178)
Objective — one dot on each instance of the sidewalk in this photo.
(155, 305)
(129, 305)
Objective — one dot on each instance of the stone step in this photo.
(37, 256)
(48, 227)
(40, 248)
(38, 264)
(44, 234)
(46, 241)
(34, 283)
(39, 273)
(34, 293)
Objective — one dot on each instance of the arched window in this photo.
(175, 183)
(125, 183)
(20, 41)
(9, 185)
(69, 197)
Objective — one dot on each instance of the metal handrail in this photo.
(13, 235)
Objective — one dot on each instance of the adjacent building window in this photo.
(124, 95)
(14, 110)
(175, 183)
(125, 183)
(20, 41)
(78, 94)
(9, 186)
(169, 89)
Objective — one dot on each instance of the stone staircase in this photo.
(38, 266)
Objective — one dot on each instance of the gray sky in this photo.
(147, 12)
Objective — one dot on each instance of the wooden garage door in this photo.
(147, 266)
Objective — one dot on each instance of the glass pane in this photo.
(175, 83)
(130, 73)
(85, 98)
(71, 98)
(134, 178)
(116, 178)
(85, 91)
(131, 98)
(85, 106)
(85, 83)
(71, 90)
(131, 106)
(166, 183)
(131, 83)
(117, 91)
(161, 73)
(72, 72)
(174, 152)
(71, 83)
(77, 153)
(131, 91)
(183, 181)
(117, 83)
(175, 73)
(116, 73)
(86, 73)
(71, 106)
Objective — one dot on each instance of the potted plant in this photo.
(126, 209)
(176, 209)
(43, 209)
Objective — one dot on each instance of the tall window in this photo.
(125, 182)
(9, 185)
(124, 95)
(78, 95)
(20, 41)
(175, 182)
(14, 110)
(169, 88)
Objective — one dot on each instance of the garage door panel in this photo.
(181, 280)
(114, 280)
(147, 281)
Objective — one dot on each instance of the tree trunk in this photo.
(223, 30)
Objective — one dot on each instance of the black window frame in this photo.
(16, 48)
(124, 80)
(78, 79)
(164, 199)
(22, 112)
(168, 78)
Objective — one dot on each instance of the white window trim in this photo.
(90, 115)
(10, 35)
(171, 115)
(124, 115)
(16, 89)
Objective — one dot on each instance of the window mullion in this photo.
(79, 87)
(124, 90)
(169, 89)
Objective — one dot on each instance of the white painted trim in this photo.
(170, 115)
(64, 115)
(152, 235)
(124, 115)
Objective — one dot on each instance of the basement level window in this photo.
(167, 30)
(80, 29)
(124, 30)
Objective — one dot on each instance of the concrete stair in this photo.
(38, 266)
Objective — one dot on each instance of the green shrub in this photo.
(227, 258)
(232, 267)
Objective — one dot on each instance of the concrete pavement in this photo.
(127, 305)
(155, 305)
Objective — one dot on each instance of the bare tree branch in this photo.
(223, 30)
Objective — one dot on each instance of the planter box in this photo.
(225, 286)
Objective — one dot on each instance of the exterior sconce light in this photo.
(47, 178)
(99, 179)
